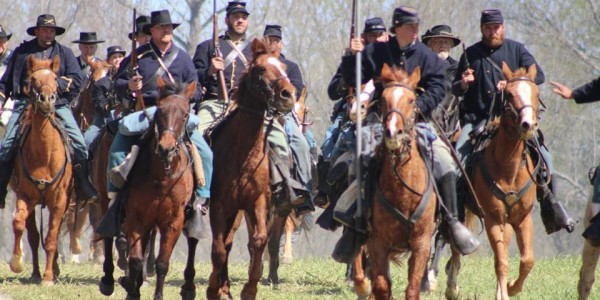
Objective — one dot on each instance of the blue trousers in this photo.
(63, 112)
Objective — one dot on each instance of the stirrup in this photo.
(462, 238)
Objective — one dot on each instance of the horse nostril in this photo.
(525, 126)
(388, 133)
(285, 94)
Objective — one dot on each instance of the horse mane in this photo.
(172, 88)
(520, 72)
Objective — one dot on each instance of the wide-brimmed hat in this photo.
(140, 22)
(273, 30)
(440, 31)
(3, 33)
(374, 25)
(46, 21)
(114, 49)
(88, 38)
(236, 7)
(404, 15)
(159, 17)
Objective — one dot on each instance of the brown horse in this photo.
(241, 171)
(43, 172)
(403, 213)
(77, 216)
(160, 185)
(504, 175)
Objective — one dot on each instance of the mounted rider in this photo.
(13, 81)
(88, 45)
(480, 80)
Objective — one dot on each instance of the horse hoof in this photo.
(452, 293)
(107, 289)
(287, 260)
(188, 294)
(75, 259)
(76, 248)
(47, 282)
(16, 264)
(512, 290)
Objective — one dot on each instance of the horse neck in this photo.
(505, 151)
(157, 169)
(43, 140)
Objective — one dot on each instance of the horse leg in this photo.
(417, 263)
(258, 240)
(222, 228)
(587, 274)
(279, 222)
(150, 255)
(54, 219)
(362, 285)
(107, 282)
(495, 232)
(380, 265)
(524, 235)
(168, 238)
(287, 257)
(76, 229)
(452, 270)
(96, 247)
(122, 249)
(22, 212)
(188, 289)
(33, 236)
(134, 281)
(429, 280)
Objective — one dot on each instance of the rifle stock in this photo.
(220, 76)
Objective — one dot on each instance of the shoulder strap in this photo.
(236, 53)
(489, 60)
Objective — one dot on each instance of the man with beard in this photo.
(481, 81)
(440, 39)
(235, 55)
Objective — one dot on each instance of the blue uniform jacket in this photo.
(69, 73)
(182, 70)
(433, 71)
(589, 92)
(294, 74)
(202, 60)
(479, 95)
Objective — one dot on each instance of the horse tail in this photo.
(471, 221)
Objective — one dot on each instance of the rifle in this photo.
(220, 76)
(468, 65)
(133, 67)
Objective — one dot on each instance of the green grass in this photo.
(551, 278)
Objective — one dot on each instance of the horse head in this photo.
(364, 101)
(99, 69)
(267, 79)
(172, 112)
(521, 99)
(398, 107)
(42, 84)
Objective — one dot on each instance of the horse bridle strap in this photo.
(511, 197)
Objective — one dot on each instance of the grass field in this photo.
(551, 278)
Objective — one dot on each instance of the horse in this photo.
(503, 176)
(589, 260)
(43, 171)
(402, 185)
(77, 217)
(158, 192)
(241, 172)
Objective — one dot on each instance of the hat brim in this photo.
(146, 29)
(59, 30)
(88, 42)
(238, 10)
(114, 52)
(7, 36)
(374, 31)
(455, 39)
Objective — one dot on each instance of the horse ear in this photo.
(507, 72)
(303, 95)
(532, 72)
(55, 64)
(190, 90)
(258, 48)
(386, 73)
(31, 62)
(414, 77)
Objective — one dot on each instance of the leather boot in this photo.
(85, 191)
(348, 246)
(554, 215)
(6, 169)
(459, 236)
(321, 198)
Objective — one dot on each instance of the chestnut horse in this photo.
(241, 171)
(503, 179)
(43, 171)
(160, 185)
(402, 188)
(77, 216)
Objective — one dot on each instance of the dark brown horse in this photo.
(43, 172)
(504, 178)
(77, 216)
(160, 185)
(403, 210)
(241, 171)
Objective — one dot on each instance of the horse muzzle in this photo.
(398, 141)
(527, 129)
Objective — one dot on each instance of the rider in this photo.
(4, 51)
(407, 52)
(480, 79)
(103, 95)
(88, 44)
(160, 57)
(141, 37)
(70, 78)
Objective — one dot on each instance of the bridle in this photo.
(407, 121)
(266, 90)
(158, 132)
(508, 106)
(36, 97)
